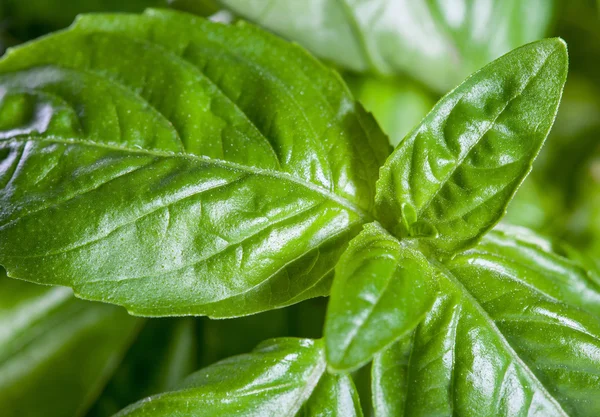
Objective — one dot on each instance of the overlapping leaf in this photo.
(437, 42)
(209, 170)
(516, 332)
(56, 352)
(282, 377)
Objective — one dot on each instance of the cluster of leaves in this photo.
(180, 167)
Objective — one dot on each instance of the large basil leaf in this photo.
(280, 377)
(438, 42)
(516, 332)
(178, 166)
(449, 181)
(56, 352)
(382, 290)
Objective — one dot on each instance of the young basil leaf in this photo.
(450, 180)
(280, 377)
(498, 341)
(56, 352)
(381, 291)
(436, 42)
(164, 353)
(178, 166)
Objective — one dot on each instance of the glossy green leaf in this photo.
(381, 291)
(515, 333)
(280, 377)
(437, 42)
(163, 355)
(169, 349)
(178, 166)
(56, 352)
(449, 181)
(398, 104)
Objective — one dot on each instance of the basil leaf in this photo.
(436, 42)
(381, 291)
(449, 181)
(398, 104)
(516, 332)
(56, 352)
(280, 377)
(178, 166)
(164, 353)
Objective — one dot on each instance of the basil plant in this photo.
(169, 165)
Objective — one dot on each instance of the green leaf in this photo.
(398, 104)
(56, 352)
(280, 377)
(178, 166)
(381, 291)
(436, 42)
(516, 332)
(453, 176)
(164, 353)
